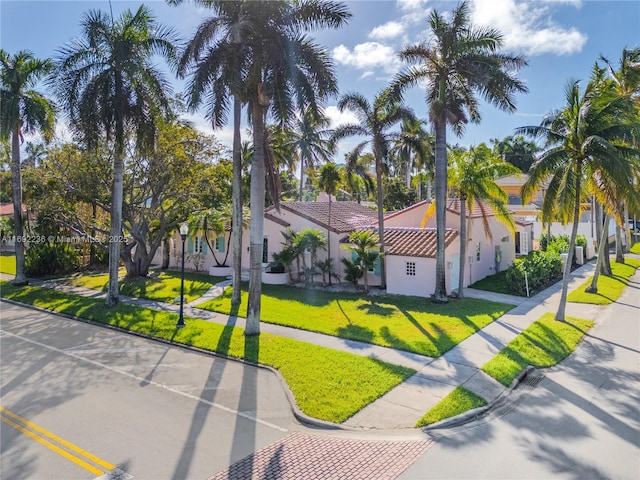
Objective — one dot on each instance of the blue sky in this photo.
(561, 39)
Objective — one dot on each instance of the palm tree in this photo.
(458, 63)
(357, 175)
(310, 137)
(217, 56)
(516, 150)
(22, 110)
(588, 138)
(328, 182)
(286, 72)
(412, 150)
(473, 176)
(109, 86)
(311, 240)
(375, 121)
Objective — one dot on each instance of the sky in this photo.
(561, 40)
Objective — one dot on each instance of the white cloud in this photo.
(387, 31)
(368, 55)
(411, 5)
(529, 27)
(337, 118)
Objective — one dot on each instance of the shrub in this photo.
(353, 270)
(50, 259)
(542, 269)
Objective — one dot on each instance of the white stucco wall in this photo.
(423, 284)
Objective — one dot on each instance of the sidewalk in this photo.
(403, 406)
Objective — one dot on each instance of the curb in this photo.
(297, 412)
(477, 413)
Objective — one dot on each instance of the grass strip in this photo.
(163, 287)
(412, 324)
(494, 283)
(543, 344)
(8, 263)
(457, 402)
(327, 384)
(609, 288)
(635, 248)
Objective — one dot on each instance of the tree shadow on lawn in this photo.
(356, 332)
(374, 308)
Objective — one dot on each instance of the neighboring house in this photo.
(411, 249)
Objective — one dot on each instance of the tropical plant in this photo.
(516, 150)
(375, 120)
(328, 181)
(587, 139)
(472, 177)
(365, 248)
(109, 87)
(458, 62)
(353, 271)
(22, 110)
(357, 176)
(310, 240)
(412, 150)
(326, 270)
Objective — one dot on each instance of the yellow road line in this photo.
(52, 446)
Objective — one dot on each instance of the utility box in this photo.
(579, 255)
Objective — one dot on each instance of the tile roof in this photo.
(414, 242)
(453, 206)
(345, 216)
(6, 209)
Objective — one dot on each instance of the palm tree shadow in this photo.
(244, 435)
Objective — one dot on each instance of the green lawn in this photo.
(8, 263)
(636, 248)
(457, 402)
(494, 283)
(164, 286)
(407, 323)
(543, 344)
(609, 288)
(327, 384)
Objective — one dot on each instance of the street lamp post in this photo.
(184, 231)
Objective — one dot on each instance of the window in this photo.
(411, 269)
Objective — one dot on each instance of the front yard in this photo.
(412, 324)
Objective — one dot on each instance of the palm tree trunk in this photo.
(440, 294)
(257, 221)
(16, 190)
(328, 243)
(572, 244)
(383, 282)
(115, 232)
(463, 245)
(236, 216)
(602, 252)
(301, 176)
(407, 173)
(619, 246)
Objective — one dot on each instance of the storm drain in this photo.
(532, 381)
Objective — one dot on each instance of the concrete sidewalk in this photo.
(403, 406)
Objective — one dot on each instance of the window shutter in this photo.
(190, 245)
(354, 256)
(220, 244)
(376, 266)
(203, 242)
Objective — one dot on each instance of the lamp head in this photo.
(184, 230)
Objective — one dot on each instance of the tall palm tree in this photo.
(375, 121)
(357, 175)
(588, 138)
(287, 72)
(459, 62)
(311, 139)
(328, 181)
(516, 150)
(412, 149)
(472, 176)
(110, 87)
(216, 59)
(22, 110)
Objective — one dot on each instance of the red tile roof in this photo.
(414, 242)
(345, 216)
(6, 209)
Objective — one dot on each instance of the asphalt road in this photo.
(151, 410)
(582, 421)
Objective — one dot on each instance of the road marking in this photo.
(248, 416)
(23, 425)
